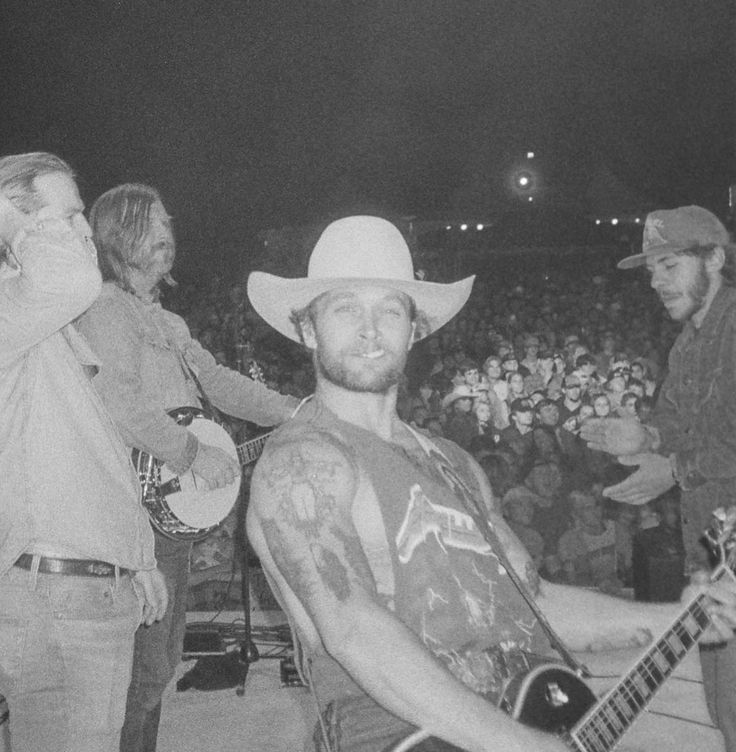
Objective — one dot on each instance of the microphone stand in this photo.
(248, 652)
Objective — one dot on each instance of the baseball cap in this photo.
(675, 230)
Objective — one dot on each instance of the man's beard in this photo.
(355, 380)
(696, 293)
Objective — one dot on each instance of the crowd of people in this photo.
(510, 379)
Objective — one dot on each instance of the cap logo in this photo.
(652, 234)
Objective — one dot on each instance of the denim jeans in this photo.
(158, 651)
(66, 648)
(358, 724)
(719, 680)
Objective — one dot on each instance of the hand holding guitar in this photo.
(217, 468)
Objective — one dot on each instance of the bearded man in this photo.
(692, 263)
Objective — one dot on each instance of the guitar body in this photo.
(550, 697)
(178, 506)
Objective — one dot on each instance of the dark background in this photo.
(255, 115)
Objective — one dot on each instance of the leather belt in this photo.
(76, 567)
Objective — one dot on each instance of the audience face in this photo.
(523, 418)
(482, 411)
(516, 383)
(602, 406)
(629, 405)
(493, 369)
(549, 414)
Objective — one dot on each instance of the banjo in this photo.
(177, 505)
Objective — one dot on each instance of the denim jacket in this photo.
(147, 354)
(68, 485)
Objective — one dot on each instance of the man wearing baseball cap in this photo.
(385, 546)
(691, 261)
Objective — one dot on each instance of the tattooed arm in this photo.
(300, 523)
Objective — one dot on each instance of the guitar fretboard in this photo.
(251, 450)
(603, 727)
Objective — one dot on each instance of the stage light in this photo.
(530, 155)
(637, 220)
(448, 227)
(523, 180)
(597, 221)
(463, 227)
(614, 221)
(530, 199)
(479, 227)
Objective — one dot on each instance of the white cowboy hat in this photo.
(355, 251)
(462, 391)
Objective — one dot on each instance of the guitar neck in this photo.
(250, 451)
(601, 728)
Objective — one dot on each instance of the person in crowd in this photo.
(629, 406)
(602, 406)
(571, 400)
(338, 511)
(546, 377)
(149, 365)
(605, 356)
(615, 387)
(517, 390)
(530, 361)
(691, 260)
(493, 375)
(547, 447)
(658, 553)
(518, 509)
(77, 567)
(460, 424)
(587, 551)
(585, 370)
(509, 364)
(519, 436)
(640, 372)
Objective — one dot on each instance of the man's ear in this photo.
(413, 337)
(309, 338)
(715, 260)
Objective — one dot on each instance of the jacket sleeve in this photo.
(236, 394)
(57, 280)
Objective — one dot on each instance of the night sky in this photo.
(249, 115)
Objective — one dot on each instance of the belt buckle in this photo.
(100, 568)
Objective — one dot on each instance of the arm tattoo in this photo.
(306, 521)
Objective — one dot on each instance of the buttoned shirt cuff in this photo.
(686, 475)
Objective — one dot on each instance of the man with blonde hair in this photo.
(387, 548)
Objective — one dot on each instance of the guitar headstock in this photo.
(721, 535)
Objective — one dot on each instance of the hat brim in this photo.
(631, 262)
(275, 298)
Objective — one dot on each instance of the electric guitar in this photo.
(177, 505)
(552, 697)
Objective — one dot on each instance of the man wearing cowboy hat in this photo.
(691, 260)
(367, 529)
